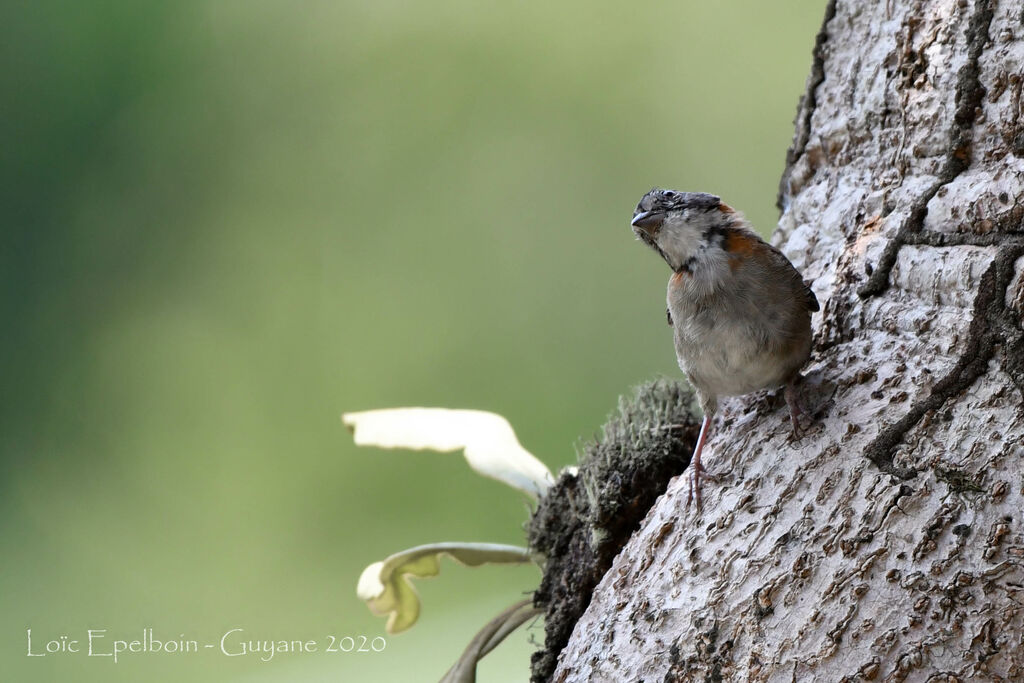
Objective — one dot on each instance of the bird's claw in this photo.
(693, 495)
(795, 410)
(798, 431)
(695, 475)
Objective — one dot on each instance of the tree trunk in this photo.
(888, 542)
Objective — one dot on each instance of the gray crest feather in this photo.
(671, 200)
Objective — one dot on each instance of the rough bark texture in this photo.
(888, 543)
(582, 523)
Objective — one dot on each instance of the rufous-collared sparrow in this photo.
(740, 312)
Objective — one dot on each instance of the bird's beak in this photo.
(648, 221)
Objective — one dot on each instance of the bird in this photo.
(739, 310)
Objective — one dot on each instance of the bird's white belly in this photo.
(727, 359)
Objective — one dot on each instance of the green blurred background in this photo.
(225, 223)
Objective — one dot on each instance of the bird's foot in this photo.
(796, 411)
(695, 475)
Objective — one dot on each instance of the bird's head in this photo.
(678, 224)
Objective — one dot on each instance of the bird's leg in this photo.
(793, 401)
(696, 469)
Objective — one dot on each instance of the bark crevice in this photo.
(969, 94)
(808, 103)
(988, 328)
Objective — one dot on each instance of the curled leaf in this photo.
(490, 444)
(386, 588)
(489, 637)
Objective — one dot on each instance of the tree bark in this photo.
(887, 543)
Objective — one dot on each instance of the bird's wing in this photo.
(801, 287)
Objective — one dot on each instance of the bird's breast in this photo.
(734, 343)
